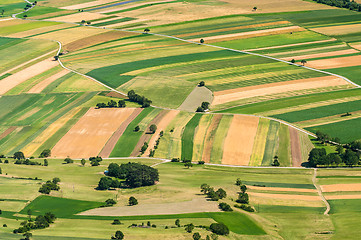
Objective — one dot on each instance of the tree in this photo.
(201, 41)
(225, 207)
(205, 105)
(316, 156)
(221, 193)
(275, 163)
(188, 164)
(153, 128)
(104, 183)
(1, 172)
(83, 162)
(303, 61)
(254, 8)
(19, 155)
(46, 162)
(119, 235)
(219, 228)
(121, 104)
(189, 227)
(238, 182)
(116, 222)
(243, 198)
(200, 109)
(177, 223)
(110, 202)
(56, 180)
(243, 188)
(83, 21)
(45, 153)
(147, 30)
(132, 201)
(88, 22)
(196, 236)
(293, 61)
(136, 129)
(68, 160)
(2, 12)
(350, 158)
(340, 149)
(27, 235)
(201, 84)
(29, 212)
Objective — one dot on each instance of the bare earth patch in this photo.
(10, 82)
(334, 197)
(286, 196)
(282, 189)
(238, 144)
(295, 147)
(350, 187)
(335, 62)
(225, 96)
(7, 132)
(88, 136)
(194, 206)
(166, 120)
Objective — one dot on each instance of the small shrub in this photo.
(219, 228)
(175, 160)
(116, 222)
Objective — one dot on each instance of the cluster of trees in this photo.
(106, 183)
(87, 22)
(68, 160)
(352, 5)
(40, 222)
(319, 158)
(144, 147)
(134, 175)
(45, 153)
(242, 196)
(219, 228)
(204, 106)
(213, 195)
(225, 207)
(325, 138)
(109, 203)
(50, 185)
(5, 161)
(95, 161)
(119, 235)
(112, 104)
(145, 102)
(245, 207)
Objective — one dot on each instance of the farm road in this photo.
(314, 180)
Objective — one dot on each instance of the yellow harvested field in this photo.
(238, 144)
(88, 136)
(258, 33)
(108, 10)
(78, 17)
(286, 196)
(325, 54)
(87, 4)
(13, 80)
(125, 23)
(294, 44)
(307, 50)
(335, 62)
(161, 126)
(339, 30)
(233, 28)
(193, 206)
(350, 187)
(43, 84)
(72, 34)
(274, 88)
(282, 189)
(29, 149)
(39, 30)
(334, 197)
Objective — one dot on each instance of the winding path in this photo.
(319, 190)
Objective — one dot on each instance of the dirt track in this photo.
(296, 152)
(7, 132)
(109, 146)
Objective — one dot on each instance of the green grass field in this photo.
(188, 137)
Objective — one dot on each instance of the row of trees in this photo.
(112, 104)
(41, 222)
(213, 195)
(352, 5)
(145, 102)
(319, 158)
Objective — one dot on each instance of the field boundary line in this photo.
(319, 190)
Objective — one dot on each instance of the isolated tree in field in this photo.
(119, 235)
(147, 30)
(25, 16)
(153, 128)
(83, 162)
(219, 228)
(19, 155)
(83, 21)
(136, 129)
(189, 227)
(132, 201)
(275, 163)
(88, 22)
(45, 153)
(303, 61)
(293, 61)
(188, 164)
(177, 223)
(255, 8)
(196, 236)
(201, 84)
(46, 162)
(201, 41)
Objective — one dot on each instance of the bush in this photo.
(219, 229)
(225, 207)
(245, 207)
(68, 160)
(45, 153)
(110, 202)
(175, 160)
(116, 222)
(243, 198)
(201, 162)
(201, 84)
(132, 201)
(50, 185)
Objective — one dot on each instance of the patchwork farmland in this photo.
(241, 88)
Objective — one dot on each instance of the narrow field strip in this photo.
(161, 126)
(109, 146)
(10, 82)
(348, 187)
(188, 137)
(219, 139)
(87, 4)
(296, 153)
(260, 142)
(291, 45)
(38, 88)
(7, 132)
(334, 197)
(286, 196)
(335, 62)
(310, 50)
(209, 137)
(200, 137)
(319, 55)
(77, 17)
(225, 96)
(240, 139)
(281, 189)
(89, 135)
(271, 143)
